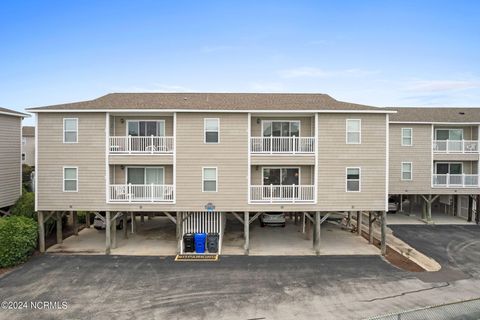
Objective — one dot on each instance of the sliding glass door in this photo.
(282, 182)
(146, 128)
(146, 183)
(281, 131)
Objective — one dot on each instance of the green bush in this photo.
(18, 240)
(25, 206)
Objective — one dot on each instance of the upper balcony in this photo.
(455, 146)
(282, 145)
(281, 135)
(141, 144)
(455, 181)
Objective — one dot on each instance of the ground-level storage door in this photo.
(463, 207)
(203, 222)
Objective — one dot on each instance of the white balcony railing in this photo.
(127, 193)
(134, 144)
(456, 180)
(455, 146)
(282, 194)
(292, 145)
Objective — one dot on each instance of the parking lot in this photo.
(289, 287)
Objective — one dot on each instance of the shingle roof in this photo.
(12, 112)
(28, 131)
(210, 101)
(436, 114)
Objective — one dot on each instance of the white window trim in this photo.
(359, 179)
(216, 178)
(411, 137)
(402, 171)
(269, 167)
(76, 131)
(205, 130)
(144, 172)
(144, 120)
(289, 126)
(359, 131)
(76, 178)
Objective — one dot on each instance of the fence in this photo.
(465, 310)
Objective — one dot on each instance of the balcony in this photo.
(455, 181)
(144, 193)
(282, 145)
(455, 146)
(141, 145)
(282, 194)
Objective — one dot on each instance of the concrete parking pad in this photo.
(290, 241)
(155, 237)
(439, 218)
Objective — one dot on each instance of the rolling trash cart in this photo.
(212, 242)
(200, 239)
(188, 242)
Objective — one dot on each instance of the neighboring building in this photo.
(28, 145)
(188, 154)
(434, 157)
(10, 156)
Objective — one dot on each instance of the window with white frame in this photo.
(211, 130)
(406, 171)
(407, 137)
(70, 179)
(354, 131)
(353, 179)
(209, 180)
(70, 130)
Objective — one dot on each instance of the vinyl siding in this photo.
(420, 154)
(88, 155)
(278, 160)
(230, 157)
(334, 156)
(29, 149)
(10, 159)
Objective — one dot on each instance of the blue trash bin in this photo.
(200, 239)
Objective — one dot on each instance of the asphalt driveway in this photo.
(326, 287)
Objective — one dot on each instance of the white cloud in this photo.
(441, 85)
(312, 72)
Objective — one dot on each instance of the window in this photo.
(211, 128)
(209, 179)
(142, 128)
(407, 139)
(448, 168)
(70, 130)
(70, 179)
(23, 156)
(354, 131)
(353, 179)
(406, 171)
(449, 134)
(281, 176)
(145, 175)
(274, 128)
(24, 141)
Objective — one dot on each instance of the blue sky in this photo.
(383, 53)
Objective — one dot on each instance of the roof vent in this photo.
(461, 112)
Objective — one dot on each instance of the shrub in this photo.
(25, 206)
(18, 240)
(26, 173)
